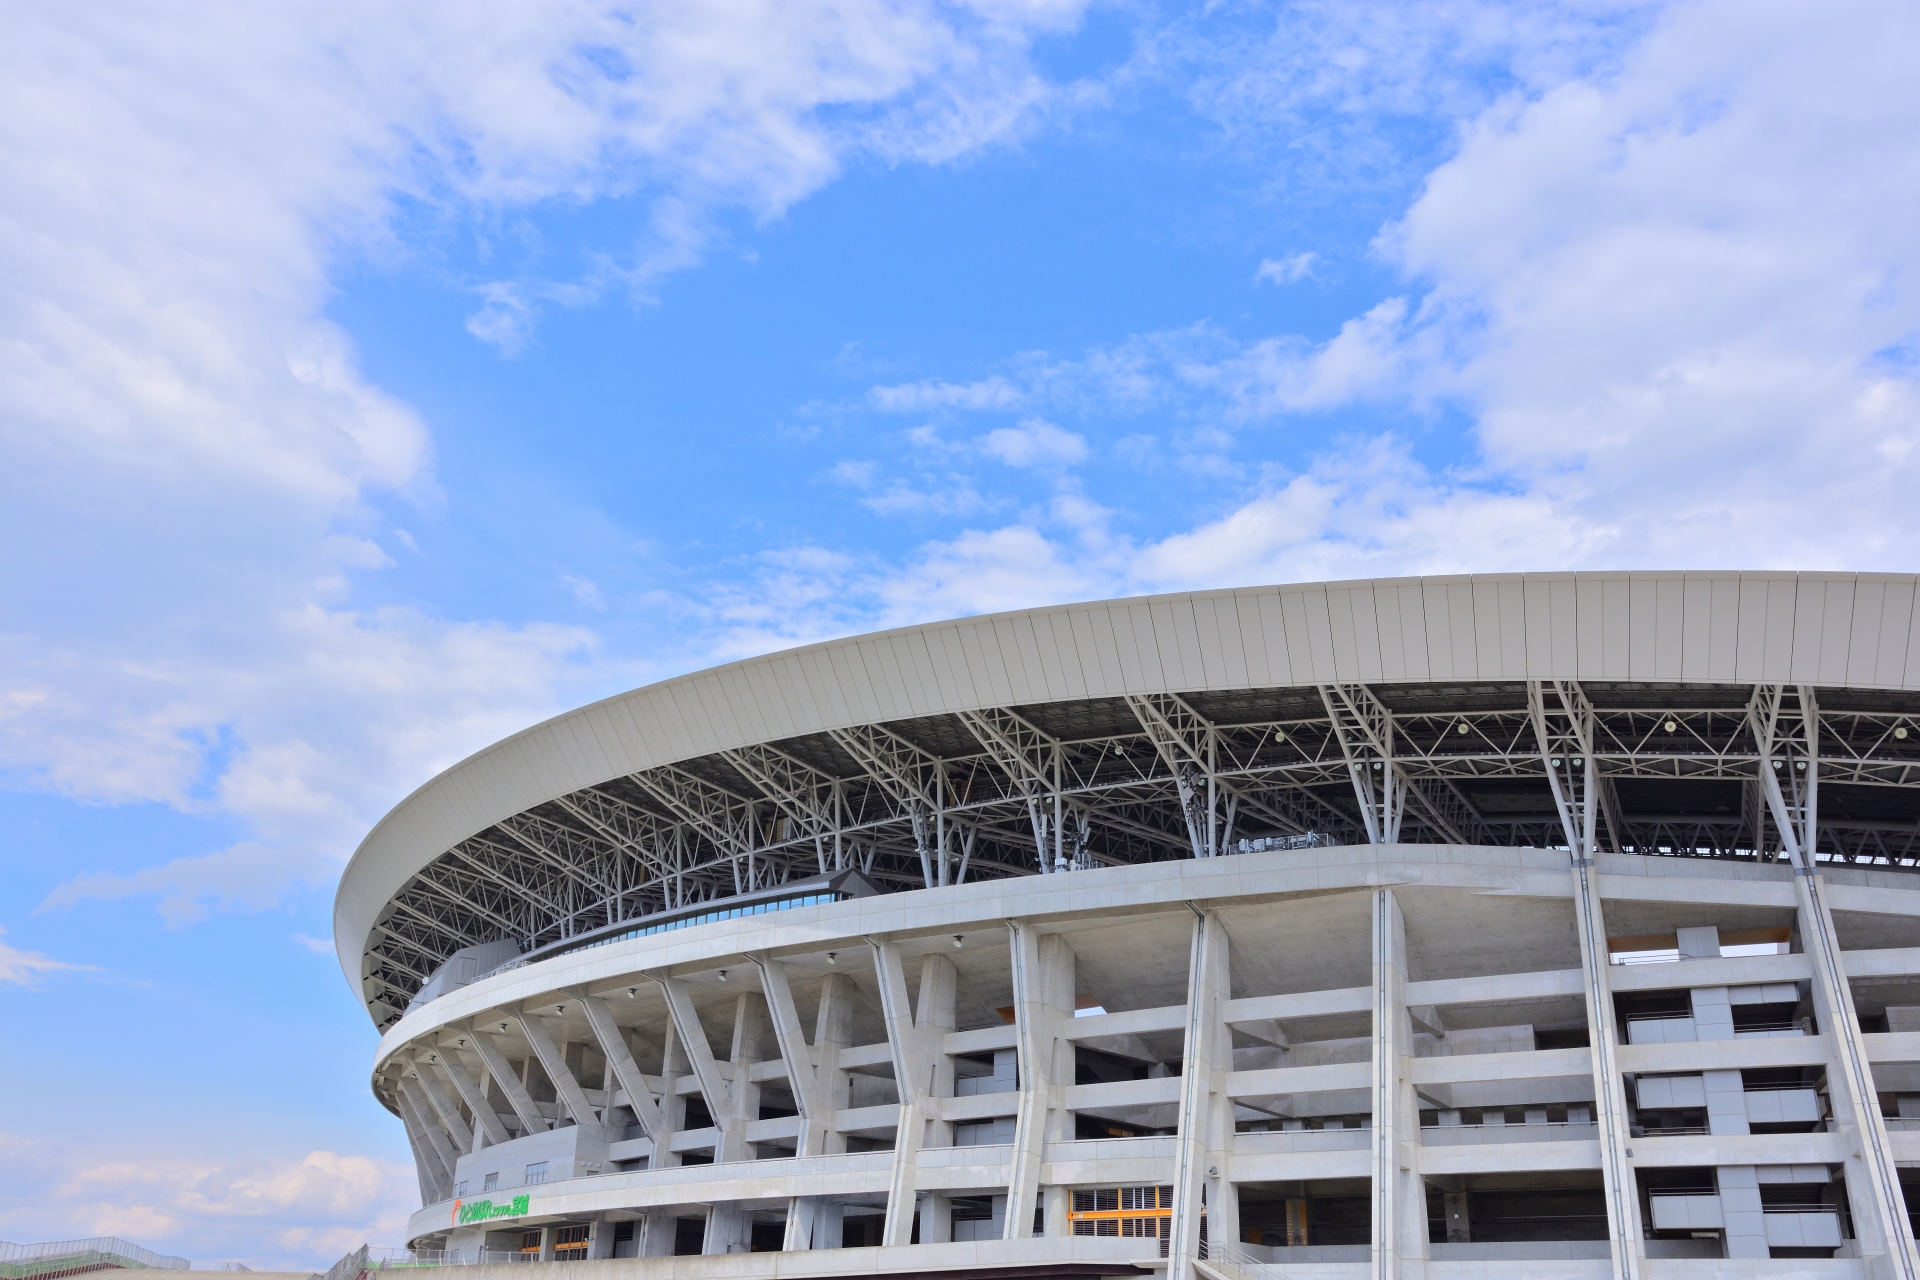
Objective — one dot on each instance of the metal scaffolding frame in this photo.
(1676, 770)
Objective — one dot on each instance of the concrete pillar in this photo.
(1885, 1240)
(546, 1244)
(1712, 1014)
(752, 1043)
(654, 1236)
(1740, 1209)
(426, 1130)
(811, 1222)
(486, 1119)
(1459, 1218)
(1201, 1164)
(1726, 1102)
(912, 1077)
(729, 1229)
(624, 1071)
(936, 1218)
(1399, 1197)
(501, 1072)
(673, 1104)
(829, 1224)
(459, 1128)
(1628, 1248)
(1043, 992)
(729, 1226)
(434, 1163)
(934, 1018)
(565, 1085)
(600, 1237)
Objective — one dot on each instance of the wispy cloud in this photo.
(294, 1213)
(1288, 270)
(1035, 443)
(26, 968)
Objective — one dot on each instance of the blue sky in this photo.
(376, 381)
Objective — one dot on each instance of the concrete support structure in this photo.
(1556, 926)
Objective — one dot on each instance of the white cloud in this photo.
(1035, 443)
(319, 946)
(192, 455)
(1675, 298)
(583, 589)
(913, 397)
(1288, 270)
(25, 968)
(290, 1213)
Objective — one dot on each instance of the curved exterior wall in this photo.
(1405, 1055)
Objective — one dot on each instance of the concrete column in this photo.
(554, 1063)
(832, 1033)
(934, 1018)
(430, 1128)
(1712, 1014)
(1043, 991)
(936, 1217)
(829, 1224)
(531, 1121)
(1740, 1209)
(546, 1244)
(654, 1237)
(1201, 1171)
(752, 1043)
(1459, 1217)
(697, 1053)
(641, 1099)
(1726, 1102)
(1399, 1197)
(459, 1129)
(426, 1139)
(486, 1119)
(729, 1226)
(813, 1222)
(912, 1080)
(600, 1237)
(729, 1230)
(1886, 1244)
(673, 1105)
(1628, 1249)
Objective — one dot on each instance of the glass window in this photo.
(460, 1191)
(536, 1173)
(490, 1183)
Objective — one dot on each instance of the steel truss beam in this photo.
(1175, 777)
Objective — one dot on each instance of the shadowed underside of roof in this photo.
(1163, 728)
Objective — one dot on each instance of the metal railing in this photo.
(70, 1257)
(1230, 1260)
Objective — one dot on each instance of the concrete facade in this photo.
(1510, 1024)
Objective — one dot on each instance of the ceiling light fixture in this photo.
(832, 957)
(723, 975)
(956, 942)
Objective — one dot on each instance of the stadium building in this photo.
(1521, 926)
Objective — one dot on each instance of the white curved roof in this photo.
(1827, 629)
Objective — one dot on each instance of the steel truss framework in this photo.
(1048, 788)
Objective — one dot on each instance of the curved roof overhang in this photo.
(1708, 628)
